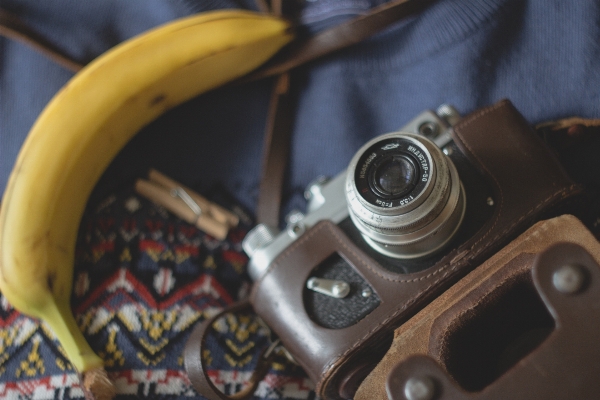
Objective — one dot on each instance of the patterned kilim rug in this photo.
(143, 279)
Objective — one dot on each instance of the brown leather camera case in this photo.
(561, 363)
(527, 181)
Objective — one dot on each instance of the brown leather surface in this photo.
(564, 366)
(498, 151)
(422, 333)
(278, 295)
(471, 336)
(526, 180)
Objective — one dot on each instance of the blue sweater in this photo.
(543, 55)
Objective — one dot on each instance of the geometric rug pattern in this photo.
(143, 278)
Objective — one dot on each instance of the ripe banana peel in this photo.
(83, 128)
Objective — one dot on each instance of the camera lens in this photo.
(404, 195)
(393, 176)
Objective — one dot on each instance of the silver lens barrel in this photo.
(404, 195)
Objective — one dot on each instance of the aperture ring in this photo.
(435, 209)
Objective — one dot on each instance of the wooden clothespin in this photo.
(187, 204)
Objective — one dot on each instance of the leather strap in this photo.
(340, 36)
(277, 138)
(13, 27)
(276, 149)
(194, 362)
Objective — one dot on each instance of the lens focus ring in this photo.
(402, 190)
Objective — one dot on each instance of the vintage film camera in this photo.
(401, 191)
(415, 210)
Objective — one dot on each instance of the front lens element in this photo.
(392, 172)
(394, 176)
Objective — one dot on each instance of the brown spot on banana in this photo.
(158, 99)
(37, 242)
(50, 280)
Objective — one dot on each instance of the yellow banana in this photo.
(82, 129)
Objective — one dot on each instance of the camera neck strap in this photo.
(280, 117)
(14, 28)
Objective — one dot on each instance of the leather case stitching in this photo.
(332, 364)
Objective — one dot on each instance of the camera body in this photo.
(367, 256)
(336, 199)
